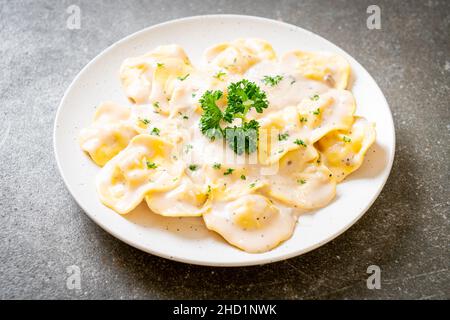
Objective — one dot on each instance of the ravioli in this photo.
(152, 77)
(157, 149)
(186, 200)
(321, 114)
(252, 222)
(301, 181)
(293, 128)
(328, 68)
(343, 151)
(229, 183)
(145, 165)
(109, 134)
(239, 55)
(278, 135)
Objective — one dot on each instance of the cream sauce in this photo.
(251, 200)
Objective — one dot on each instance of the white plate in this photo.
(187, 240)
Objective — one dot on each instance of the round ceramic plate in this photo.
(187, 240)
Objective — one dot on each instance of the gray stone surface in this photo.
(406, 232)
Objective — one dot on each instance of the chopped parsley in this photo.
(300, 142)
(159, 65)
(316, 112)
(193, 167)
(252, 185)
(272, 81)
(151, 165)
(187, 148)
(303, 119)
(315, 97)
(185, 117)
(155, 131)
(283, 136)
(144, 121)
(217, 166)
(184, 77)
(156, 105)
(301, 181)
(228, 172)
(219, 75)
(347, 139)
(243, 177)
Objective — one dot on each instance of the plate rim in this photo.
(256, 261)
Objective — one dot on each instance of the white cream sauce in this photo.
(251, 200)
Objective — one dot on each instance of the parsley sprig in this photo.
(244, 138)
(212, 115)
(242, 97)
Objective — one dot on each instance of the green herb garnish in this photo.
(228, 172)
(272, 81)
(212, 115)
(242, 96)
(151, 165)
(187, 148)
(155, 131)
(300, 142)
(219, 75)
(244, 138)
(144, 121)
(184, 77)
(185, 117)
(283, 136)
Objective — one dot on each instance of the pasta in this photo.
(247, 140)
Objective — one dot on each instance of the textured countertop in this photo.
(406, 232)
